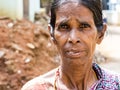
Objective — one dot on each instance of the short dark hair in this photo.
(93, 5)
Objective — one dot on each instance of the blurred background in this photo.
(26, 50)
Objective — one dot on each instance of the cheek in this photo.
(93, 46)
(91, 41)
(60, 38)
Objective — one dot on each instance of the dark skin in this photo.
(76, 37)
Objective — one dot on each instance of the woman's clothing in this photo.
(106, 81)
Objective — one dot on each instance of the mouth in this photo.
(74, 53)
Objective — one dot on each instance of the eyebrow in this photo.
(66, 20)
(63, 21)
(82, 22)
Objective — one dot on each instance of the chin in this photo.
(79, 61)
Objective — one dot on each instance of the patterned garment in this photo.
(106, 81)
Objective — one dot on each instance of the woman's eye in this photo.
(84, 26)
(63, 27)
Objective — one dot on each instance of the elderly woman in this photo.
(76, 26)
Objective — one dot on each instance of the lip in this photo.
(74, 53)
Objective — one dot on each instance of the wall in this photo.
(18, 9)
(11, 8)
(34, 6)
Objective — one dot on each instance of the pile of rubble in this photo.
(25, 52)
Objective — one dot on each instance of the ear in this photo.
(50, 28)
(101, 34)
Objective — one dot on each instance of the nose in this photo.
(74, 37)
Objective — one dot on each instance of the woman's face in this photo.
(75, 33)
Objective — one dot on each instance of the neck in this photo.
(78, 76)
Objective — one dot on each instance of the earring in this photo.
(52, 38)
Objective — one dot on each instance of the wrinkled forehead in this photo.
(73, 12)
(72, 7)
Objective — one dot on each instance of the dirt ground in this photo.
(25, 52)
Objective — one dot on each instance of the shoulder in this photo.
(111, 76)
(110, 80)
(41, 82)
(109, 73)
(105, 74)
